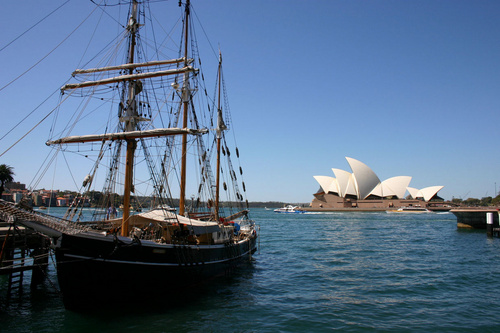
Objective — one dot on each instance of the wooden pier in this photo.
(22, 250)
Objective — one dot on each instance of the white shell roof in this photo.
(365, 178)
(363, 182)
(430, 191)
(345, 182)
(413, 192)
(327, 183)
(378, 191)
(396, 186)
(427, 193)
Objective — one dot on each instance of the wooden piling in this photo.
(40, 263)
(22, 250)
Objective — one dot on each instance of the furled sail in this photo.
(129, 77)
(132, 66)
(126, 135)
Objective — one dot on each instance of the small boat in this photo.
(289, 209)
(167, 208)
(151, 121)
(410, 209)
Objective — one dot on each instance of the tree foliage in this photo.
(6, 176)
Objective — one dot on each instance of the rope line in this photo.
(50, 52)
(43, 19)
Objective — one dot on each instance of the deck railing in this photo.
(11, 212)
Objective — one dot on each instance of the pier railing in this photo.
(11, 212)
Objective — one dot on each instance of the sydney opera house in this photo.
(361, 189)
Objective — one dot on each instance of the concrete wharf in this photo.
(479, 218)
(475, 217)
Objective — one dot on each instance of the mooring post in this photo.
(489, 224)
(40, 263)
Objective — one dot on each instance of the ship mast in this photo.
(130, 123)
(131, 78)
(185, 102)
(220, 128)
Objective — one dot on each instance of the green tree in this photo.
(6, 176)
(486, 201)
(472, 202)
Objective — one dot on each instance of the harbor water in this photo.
(315, 272)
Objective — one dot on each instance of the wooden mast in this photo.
(219, 136)
(130, 125)
(185, 101)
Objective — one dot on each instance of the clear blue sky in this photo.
(411, 88)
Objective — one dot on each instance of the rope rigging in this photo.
(160, 158)
(34, 25)
(49, 53)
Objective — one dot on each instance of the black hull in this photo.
(94, 272)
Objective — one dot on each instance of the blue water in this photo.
(352, 272)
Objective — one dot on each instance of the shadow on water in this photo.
(177, 299)
(38, 304)
(471, 231)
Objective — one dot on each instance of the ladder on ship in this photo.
(14, 253)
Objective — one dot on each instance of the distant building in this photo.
(361, 188)
(15, 186)
(7, 196)
(14, 192)
(37, 199)
(17, 196)
(49, 198)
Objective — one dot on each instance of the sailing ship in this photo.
(156, 253)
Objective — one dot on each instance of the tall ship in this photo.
(155, 130)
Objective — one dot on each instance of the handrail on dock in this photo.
(10, 212)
